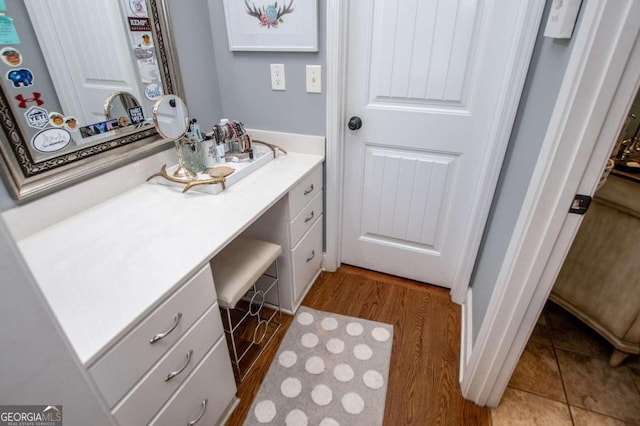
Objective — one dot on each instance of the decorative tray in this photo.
(203, 183)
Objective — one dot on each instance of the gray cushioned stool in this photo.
(244, 279)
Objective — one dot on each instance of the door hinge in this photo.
(580, 204)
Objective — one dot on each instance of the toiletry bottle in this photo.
(209, 152)
(221, 154)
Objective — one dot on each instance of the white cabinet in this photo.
(118, 370)
(150, 366)
(117, 287)
(307, 259)
(307, 216)
(296, 223)
(204, 396)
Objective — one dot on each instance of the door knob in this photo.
(355, 123)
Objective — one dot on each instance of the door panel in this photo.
(422, 51)
(97, 61)
(405, 197)
(429, 80)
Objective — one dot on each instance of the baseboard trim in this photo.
(466, 332)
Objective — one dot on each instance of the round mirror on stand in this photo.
(171, 119)
(119, 105)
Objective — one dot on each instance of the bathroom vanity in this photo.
(129, 278)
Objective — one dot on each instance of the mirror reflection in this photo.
(124, 107)
(61, 60)
(90, 50)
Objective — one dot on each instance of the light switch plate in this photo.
(314, 79)
(562, 18)
(277, 77)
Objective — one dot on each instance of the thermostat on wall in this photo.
(562, 18)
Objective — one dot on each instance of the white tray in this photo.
(262, 155)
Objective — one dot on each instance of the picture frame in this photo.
(272, 25)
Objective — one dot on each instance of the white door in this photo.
(432, 83)
(91, 37)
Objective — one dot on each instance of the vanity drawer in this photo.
(153, 390)
(307, 258)
(306, 218)
(120, 368)
(304, 191)
(212, 381)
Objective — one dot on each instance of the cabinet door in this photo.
(304, 191)
(120, 368)
(207, 394)
(306, 218)
(153, 390)
(307, 259)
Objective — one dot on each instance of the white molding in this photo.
(520, 57)
(337, 17)
(466, 332)
(544, 229)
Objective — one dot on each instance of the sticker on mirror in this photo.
(11, 56)
(136, 114)
(103, 127)
(71, 124)
(37, 117)
(139, 24)
(23, 102)
(56, 119)
(51, 140)
(153, 92)
(138, 7)
(22, 77)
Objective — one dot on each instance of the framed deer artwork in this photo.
(272, 25)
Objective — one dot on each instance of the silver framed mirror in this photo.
(32, 164)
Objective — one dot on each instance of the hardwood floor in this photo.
(423, 378)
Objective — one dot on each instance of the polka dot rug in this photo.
(329, 370)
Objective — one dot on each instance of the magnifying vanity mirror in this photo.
(80, 79)
(119, 104)
(171, 119)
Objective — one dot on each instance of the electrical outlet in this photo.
(277, 77)
(314, 79)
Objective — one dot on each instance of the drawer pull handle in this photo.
(310, 216)
(313, 254)
(204, 409)
(160, 336)
(175, 373)
(308, 191)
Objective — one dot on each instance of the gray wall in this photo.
(197, 60)
(37, 365)
(245, 82)
(237, 85)
(544, 78)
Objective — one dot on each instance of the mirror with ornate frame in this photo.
(30, 171)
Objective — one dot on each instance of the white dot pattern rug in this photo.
(329, 370)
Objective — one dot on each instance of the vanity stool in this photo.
(245, 274)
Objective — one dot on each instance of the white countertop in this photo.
(106, 267)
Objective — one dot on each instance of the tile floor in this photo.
(563, 378)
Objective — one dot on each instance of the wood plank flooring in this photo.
(423, 378)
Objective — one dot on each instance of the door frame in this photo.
(337, 27)
(602, 77)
